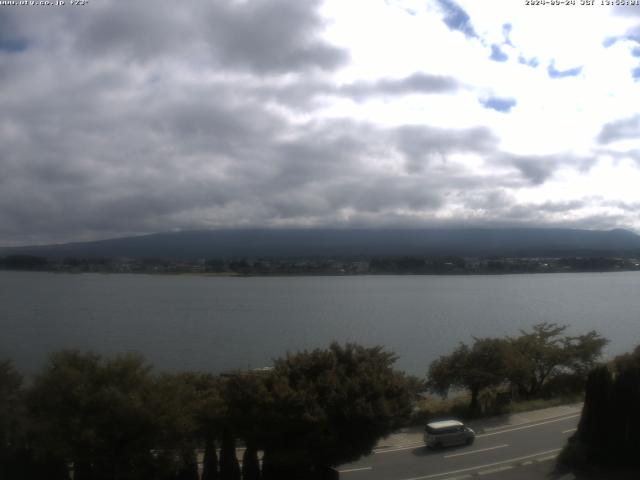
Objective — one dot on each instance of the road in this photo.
(509, 452)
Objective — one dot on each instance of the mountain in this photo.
(266, 243)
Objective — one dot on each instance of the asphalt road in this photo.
(511, 452)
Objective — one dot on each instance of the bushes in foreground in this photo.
(541, 363)
(109, 419)
(607, 434)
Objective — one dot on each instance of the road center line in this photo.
(527, 426)
(476, 451)
(349, 470)
(488, 465)
(569, 430)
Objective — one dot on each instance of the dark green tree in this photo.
(210, 460)
(97, 414)
(188, 469)
(14, 456)
(229, 466)
(482, 365)
(544, 352)
(250, 463)
(595, 421)
(328, 407)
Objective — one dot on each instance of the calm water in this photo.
(216, 324)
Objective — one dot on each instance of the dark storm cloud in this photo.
(624, 129)
(456, 18)
(555, 73)
(499, 104)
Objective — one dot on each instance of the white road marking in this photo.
(527, 426)
(349, 470)
(495, 470)
(547, 458)
(488, 465)
(409, 447)
(476, 451)
(569, 430)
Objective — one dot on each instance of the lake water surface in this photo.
(222, 323)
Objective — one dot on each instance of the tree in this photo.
(97, 414)
(595, 419)
(250, 463)
(607, 431)
(482, 365)
(12, 427)
(327, 407)
(210, 460)
(540, 354)
(229, 466)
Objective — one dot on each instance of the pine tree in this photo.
(210, 461)
(229, 467)
(250, 464)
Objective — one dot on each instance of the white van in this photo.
(447, 433)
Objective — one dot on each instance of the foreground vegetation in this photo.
(115, 418)
(542, 363)
(109, 419)
(607, 439)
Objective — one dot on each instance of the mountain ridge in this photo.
(289, 243)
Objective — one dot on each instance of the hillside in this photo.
(254, 243)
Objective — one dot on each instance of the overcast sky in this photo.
(121, 118)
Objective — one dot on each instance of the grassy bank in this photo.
(434, 408)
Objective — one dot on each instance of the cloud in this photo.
(456, 18)
(117, 121)
(420, 145)
(497, 55)
(10, 39)
(267, 37)
(635, 73)
(537, 169)
(499, 104)
(624, 129)
(555, 73)
(417, 83)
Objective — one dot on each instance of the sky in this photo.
(124, 118)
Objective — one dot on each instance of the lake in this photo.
(223, 323)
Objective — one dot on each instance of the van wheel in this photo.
(469, 441)
(438, 446)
